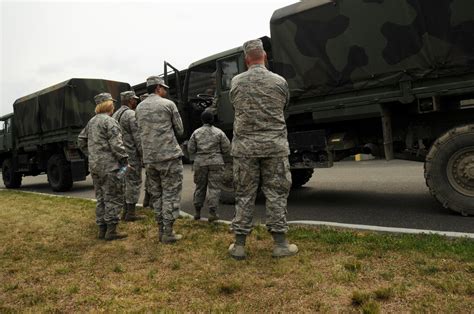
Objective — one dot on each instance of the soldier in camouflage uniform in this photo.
(260, 150)
(208, 143)
(146, 199)
(158, 120)
(101, 141)
(125, 116)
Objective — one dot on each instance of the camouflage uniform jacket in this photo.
(209, 144)
(158, 119)
(101, 141)
(131, 139)
(259, 98)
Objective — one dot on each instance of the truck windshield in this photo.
(202, 80)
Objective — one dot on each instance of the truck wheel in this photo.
(300, 177)
(59, 173)
(11, 179)
(449, 170)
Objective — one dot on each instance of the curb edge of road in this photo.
(449, 234)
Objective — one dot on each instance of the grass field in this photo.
(50, 260)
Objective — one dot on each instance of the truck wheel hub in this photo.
(460, 171)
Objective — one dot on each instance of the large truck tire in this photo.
(11, 179)
(449, 170)
(59, 173)
(300, 177)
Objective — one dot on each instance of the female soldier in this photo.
(101, 141)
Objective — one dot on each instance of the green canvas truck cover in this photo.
(64, 105)
(323, 47)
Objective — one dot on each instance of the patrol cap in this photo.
(144, 96)
(155, 80)
(254, 44)
(128, 95)
(100, 98)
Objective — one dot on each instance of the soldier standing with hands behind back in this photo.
(101, 141)
(209, 144)
(125, 116)
(260, 150)
(158, 120)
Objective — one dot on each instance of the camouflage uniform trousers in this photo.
(133, 181)
(275, 176)
(165, 185)
(207, 178)
(109, 194)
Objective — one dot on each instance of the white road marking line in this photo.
(450, 234)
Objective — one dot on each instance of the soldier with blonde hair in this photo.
(101, 141)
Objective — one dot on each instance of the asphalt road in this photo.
(378, 193)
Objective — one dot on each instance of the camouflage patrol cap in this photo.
(155, 80)
(128, 95)
(144, 96)
(254, 44)
(100, 98)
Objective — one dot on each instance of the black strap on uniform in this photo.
(121, 114)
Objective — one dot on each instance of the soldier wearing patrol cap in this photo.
(101, 141)
(146, 199)
(158, 121)
(260, 150)
(125, 116)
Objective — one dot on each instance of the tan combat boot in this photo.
(281, 248)
(237, 249)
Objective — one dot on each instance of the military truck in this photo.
(40, 135)
(394, 78)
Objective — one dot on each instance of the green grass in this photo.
(50, 261)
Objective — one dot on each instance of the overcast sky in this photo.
(44, 43)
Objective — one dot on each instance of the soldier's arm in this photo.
(286, 92)
(114, 136)
(176, 120)
(133, 125)
(192, 147)
(213, 107)
(82, 140)
(225, 144)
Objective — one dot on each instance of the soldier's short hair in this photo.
(151, 89)
(207, 117)
(104, 107)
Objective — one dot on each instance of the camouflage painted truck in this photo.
(40, 135)
(394, 78)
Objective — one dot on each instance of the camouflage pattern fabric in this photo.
(165, 186)
(406, 39)
(259, 98)
(208, 144)
(275, 182)
(131, 139)
(207, 179)
(101, 141)
(109, 194)
(158, 119)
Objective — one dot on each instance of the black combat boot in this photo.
(124, 211)
(169, 236)
(112, 233)
(213, 215)
(237, 249)
(281, 248)
(197, 216)
(131, 213)
(102, 231)
(146, 200)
